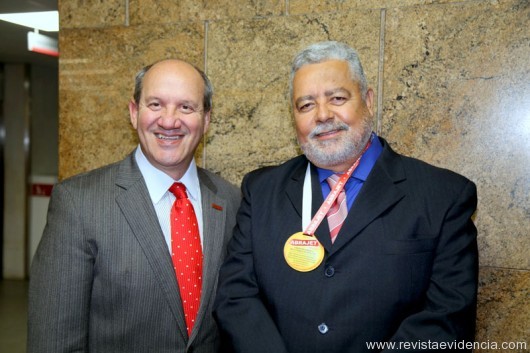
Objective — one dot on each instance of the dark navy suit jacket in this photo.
(403, 268)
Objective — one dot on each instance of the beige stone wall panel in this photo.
(297, 7)
(458, 98)
(249, 63)
(154, 11)
(91, 13)
(503, 311)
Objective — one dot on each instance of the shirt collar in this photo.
(159, 182)
(365, 165)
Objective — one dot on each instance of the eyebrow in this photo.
(180, 101)
(337, 90)
(328, 93)
(304, 98)
(150, 98)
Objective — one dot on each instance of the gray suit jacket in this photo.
(102, 278)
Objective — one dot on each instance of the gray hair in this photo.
(330, 50)
(208, 87)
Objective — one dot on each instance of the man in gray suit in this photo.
(102, 279)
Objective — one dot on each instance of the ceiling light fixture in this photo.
(44, 20)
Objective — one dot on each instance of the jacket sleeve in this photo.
(60, 281)
(246, 325)
(448, 313)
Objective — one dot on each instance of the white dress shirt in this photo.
(158, 184)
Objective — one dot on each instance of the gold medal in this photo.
(303, 252)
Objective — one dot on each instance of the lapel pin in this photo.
(217, 207)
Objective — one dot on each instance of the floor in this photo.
(13, 315)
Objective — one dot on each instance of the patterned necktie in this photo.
(186, 253)
(338, 211)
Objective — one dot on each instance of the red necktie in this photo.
(338, 211)
(186, 253)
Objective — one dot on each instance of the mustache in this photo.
(327, 127)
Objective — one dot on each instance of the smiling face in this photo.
(333, 121)
(169, 117)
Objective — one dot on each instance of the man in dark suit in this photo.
(103, 277)
(391, 265)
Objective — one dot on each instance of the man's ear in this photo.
(133, 113)
(369, 101)
(206, 121)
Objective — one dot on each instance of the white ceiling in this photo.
(13, 38)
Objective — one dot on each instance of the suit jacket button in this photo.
(330, 271)
(323, 328)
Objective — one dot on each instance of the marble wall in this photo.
(452, 80)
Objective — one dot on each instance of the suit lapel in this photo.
(379, 192)
(214, 217)
(295, 191)
(295, 187)
(139, 212)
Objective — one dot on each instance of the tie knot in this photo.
(179, 190)
(333, 180)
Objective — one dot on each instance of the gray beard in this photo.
(326, 154)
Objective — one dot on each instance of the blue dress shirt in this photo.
(356, 181)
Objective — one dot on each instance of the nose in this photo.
(169, 118)
(323, 112)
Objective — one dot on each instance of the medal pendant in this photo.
(303, 252)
